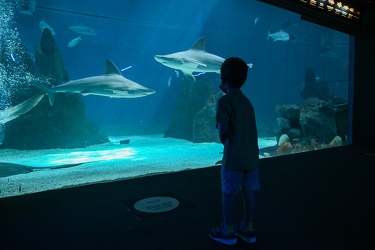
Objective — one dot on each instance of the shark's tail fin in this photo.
(47, 88)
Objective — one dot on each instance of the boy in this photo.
(238, 133)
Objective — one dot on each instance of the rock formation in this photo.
(321, 121)
(194, 118)
(62, 125)
(16, 62)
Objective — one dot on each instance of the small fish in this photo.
(15, 57)
(74, 42)
(169, 82)
(177, 73)
(43, 25)
(126, 68)
(279, 36)
(256, 20)
(80, 29)
(267, 155)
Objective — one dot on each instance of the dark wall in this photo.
(363, 132)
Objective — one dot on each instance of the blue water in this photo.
(130, 33)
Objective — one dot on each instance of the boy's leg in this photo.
(230, 181)
(249, 184)
(228, 211)
(225, 233)
(249, 210)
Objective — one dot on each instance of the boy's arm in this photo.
(223, 131)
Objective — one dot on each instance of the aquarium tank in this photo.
(95, 91)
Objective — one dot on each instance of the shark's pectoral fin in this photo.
(202, 64)
(51, 97)
(189, 75)
(195, 63)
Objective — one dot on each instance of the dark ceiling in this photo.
(366, 3)
(366, 26)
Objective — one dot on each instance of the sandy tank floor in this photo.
(144, 155)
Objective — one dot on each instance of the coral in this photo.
(314, 118)
(314, 144)
(285, 148)
(296, 146)
(336, 142)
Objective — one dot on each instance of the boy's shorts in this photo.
(232, 181)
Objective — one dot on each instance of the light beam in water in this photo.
(90, 156)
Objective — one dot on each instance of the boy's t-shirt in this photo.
(241, 150)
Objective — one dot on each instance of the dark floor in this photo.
(315, 200)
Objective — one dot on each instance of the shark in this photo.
(13, 112)
(196, 59)
(9, 169)
(112, 84)
(80, 29)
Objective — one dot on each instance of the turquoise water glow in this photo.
(144, 155)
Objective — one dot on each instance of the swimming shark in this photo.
(80, 29)
(12, 113)
(196, 59)
(9, 169)
(112, 85)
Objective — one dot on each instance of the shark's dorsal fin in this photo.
(110, 68)
(200, 44)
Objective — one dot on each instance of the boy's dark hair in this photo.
(236, 70)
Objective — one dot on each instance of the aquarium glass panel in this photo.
(95, 91)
